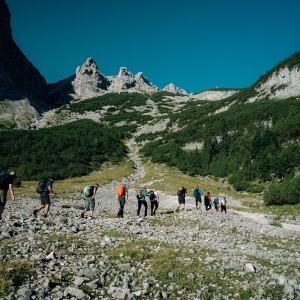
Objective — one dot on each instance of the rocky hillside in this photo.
(281, 82)
(193, 254)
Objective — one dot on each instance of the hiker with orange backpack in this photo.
(122, 198)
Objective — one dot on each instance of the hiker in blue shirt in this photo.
(217, 203)
(153, 202)
(197, 193)
(141, 196)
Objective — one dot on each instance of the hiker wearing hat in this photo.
(45, 198)
(6, 183)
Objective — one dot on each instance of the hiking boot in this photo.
(177, 209)
(45, 215)
(82, 215)
(35, 213)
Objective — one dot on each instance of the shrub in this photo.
(286, 192)
(241, 185)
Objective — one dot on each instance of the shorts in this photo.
(45, 198)
(89, 203)
(181, 200)
(198, 200)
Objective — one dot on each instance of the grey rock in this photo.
(79, 280)
(73, 291)
(24, 292)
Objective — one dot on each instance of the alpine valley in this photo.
(249, 136)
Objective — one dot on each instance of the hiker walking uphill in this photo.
(141, 196)
(44, 189)
(207, 201)
(6, 183)
(216, 203)
(89, 205)
(153, 202)
(224, 205)
(197, 193)
(181, 193)
(122, 198)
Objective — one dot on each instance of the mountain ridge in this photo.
(20, 80)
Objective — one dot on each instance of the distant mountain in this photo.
(20, 80)
(171, 88)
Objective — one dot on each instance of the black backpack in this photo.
(196, 193)
(41, 186)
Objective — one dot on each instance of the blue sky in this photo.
(194, 44)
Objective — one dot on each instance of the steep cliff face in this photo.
(282, 84)
(19, 79)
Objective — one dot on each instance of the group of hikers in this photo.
(141, 195)
(220, 205)
(45, 188)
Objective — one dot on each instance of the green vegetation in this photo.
(286, 192)
(120, 101)
(65, 151)
(251, 143)
(14, 273)
(7, 124)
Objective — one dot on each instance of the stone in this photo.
(74, 291)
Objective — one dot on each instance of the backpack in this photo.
(216, 201)
(88, 190)
(121, 190)
(41, 186)
(3, 176)
(196, 193)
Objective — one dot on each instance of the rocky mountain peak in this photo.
(173, 89)
(89, 82)
(126, 81)
(124, 72)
